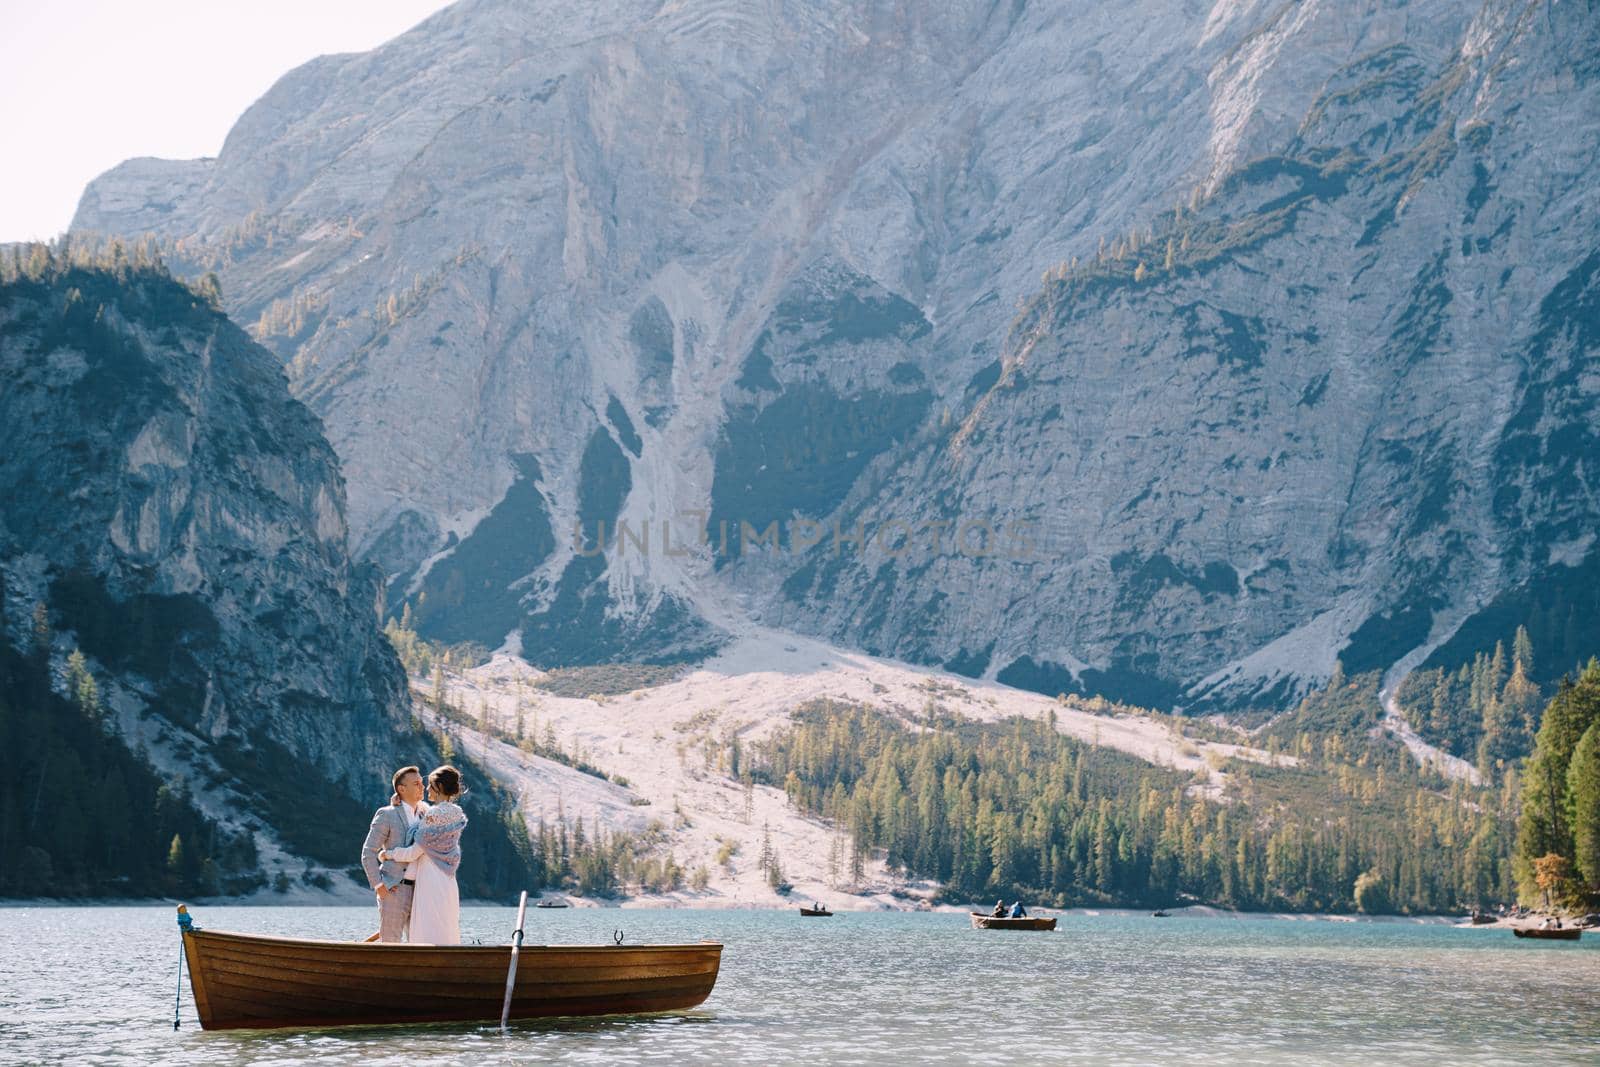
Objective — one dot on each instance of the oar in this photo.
(185, 924)
(516, 947)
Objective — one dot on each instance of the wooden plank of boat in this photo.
(1549, 933)
(253, 981)
(996, 922)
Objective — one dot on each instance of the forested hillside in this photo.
(1019, 810)
(81, 814)
(1485, 711)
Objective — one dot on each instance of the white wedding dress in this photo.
(435, 902)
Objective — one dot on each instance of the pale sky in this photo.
(85, 84)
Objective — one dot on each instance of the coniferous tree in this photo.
(81, 684)
(1583, 806)
(438, 700)
(1522, 703)
(210, 290)
(1545, 826)
(1522, 650)
(41, 630)
(1504, 738)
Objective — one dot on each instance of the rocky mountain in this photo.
(1333, 408)
(1194, 346)
(174, 518)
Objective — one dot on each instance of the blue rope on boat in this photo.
(185, 924)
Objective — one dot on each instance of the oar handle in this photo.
(516, 947)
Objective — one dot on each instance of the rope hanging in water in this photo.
(185, 924)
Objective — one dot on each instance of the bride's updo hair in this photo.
(447, 780)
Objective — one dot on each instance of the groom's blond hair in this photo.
(401, 773)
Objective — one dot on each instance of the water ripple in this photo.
(95, 985)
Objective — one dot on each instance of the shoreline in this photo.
(1197, 911)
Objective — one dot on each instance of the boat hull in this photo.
(1565, 933)
(994, 922)
(245, 981)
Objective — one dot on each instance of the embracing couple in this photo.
(411, 854)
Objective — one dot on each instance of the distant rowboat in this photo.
(247, 981)
(1549, 933)
(552, 904)
(995, 922)
(815, 913)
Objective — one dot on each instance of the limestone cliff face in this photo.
(1334, 408)
(182, 517)
(547, 265)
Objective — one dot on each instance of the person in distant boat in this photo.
(1018, 911)
(999, 911)
(391, 880)
(435, 857)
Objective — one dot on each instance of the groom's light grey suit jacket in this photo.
(388, 830)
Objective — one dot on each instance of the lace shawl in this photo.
(439, 834)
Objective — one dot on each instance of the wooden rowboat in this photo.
(995, 922)
(816, 913)
(1549, 933)
(247, 981)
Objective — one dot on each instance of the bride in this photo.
(436, 903)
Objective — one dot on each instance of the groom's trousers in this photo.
(394, 913)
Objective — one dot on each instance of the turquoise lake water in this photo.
(95, 985)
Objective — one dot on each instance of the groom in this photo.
(394, 826)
